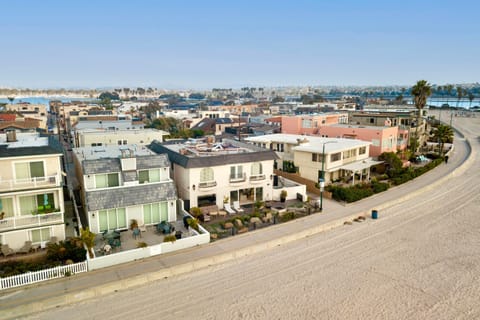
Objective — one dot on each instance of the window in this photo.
(306, 123)
(6, 206)
(99, 144)
(120, 142)
(106, 180)
(349, 154)
(40, 235)
(152, 175)
(207, 175)
(362, 150)
(256, 169)
(335, 157)
(317, 157)
(236, 172)
(36, 203)
(372, 120)
(155, 212)
(112, 219)
(27, 171)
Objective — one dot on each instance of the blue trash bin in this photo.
(374, 214)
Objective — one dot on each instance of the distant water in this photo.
(43, 100)
(464, 103)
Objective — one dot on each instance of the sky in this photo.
(230, 44)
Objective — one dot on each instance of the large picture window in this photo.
(26, 171)
(112, 219)
(155, 212)
(106, 180)
(39, 203)
(152, 175)
(40, 235)
(6, 207)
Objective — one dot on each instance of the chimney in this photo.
(11, 136)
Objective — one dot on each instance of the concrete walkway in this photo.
(35, 298)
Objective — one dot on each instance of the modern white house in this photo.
(109, 137)
(207, 172)
(339, 158)
(31, 190)
(121, 183)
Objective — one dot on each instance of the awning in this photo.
(358, 165)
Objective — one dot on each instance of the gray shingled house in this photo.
(121, 183)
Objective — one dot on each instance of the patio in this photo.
(150, 237)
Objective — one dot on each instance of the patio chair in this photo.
(53, 240)
(236, 207)
(27, 247)
(6, 250)
(229, 209)
(142, 226)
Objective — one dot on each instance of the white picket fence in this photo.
(42, 275)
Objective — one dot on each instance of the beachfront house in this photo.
(31, 190)
(209, 172)
(122, 183)
(344, 159)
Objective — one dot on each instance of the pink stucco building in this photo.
(310, 124)
(383, 139)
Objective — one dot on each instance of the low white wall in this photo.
(291, 192)
(140, 253)
(117, 258)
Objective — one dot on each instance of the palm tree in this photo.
(471, 96)
(449, 89)
(442, 133)
(420, 91)
(460, 94)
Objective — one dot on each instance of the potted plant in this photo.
(283, 195)
(133, 224)
(88, 239)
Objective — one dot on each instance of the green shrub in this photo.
(65, 250)
(379, 186)
(287, 216)
(170, 238)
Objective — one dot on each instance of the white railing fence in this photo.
(42, 275)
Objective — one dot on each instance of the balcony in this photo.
(207, 184)
(235, 178)
(257, 178)
(30, 221)
(31, 183)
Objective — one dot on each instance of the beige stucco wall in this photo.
(186, 178)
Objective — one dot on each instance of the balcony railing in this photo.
(238, 177)
(257, 177)
(30, 183)
(207, 184)
(27, 221)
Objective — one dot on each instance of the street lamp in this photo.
(321, 180)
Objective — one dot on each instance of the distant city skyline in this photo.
(220, 44)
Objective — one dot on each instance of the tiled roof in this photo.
(113, 164)
(130, 196)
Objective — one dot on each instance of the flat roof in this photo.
(93, 153)
(312, 143)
